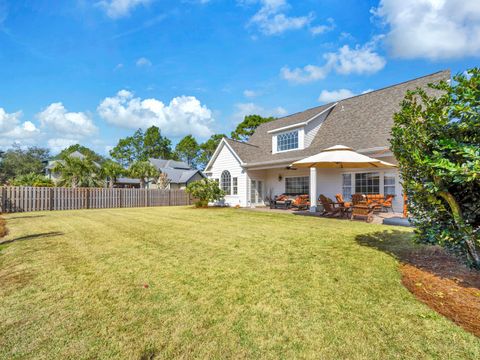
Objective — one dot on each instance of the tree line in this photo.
(26, 166)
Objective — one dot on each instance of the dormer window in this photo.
(287, 141)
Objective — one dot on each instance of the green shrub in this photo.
(436, 140)
(205, 191)
(32, 179)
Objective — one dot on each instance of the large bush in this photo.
(436, 139)
(32, 179)
(205, 191)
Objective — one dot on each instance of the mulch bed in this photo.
(3, 228)
(441, 281)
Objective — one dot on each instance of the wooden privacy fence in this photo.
(25, 198)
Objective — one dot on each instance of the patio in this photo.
(386, 218)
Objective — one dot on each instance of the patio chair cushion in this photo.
(301, 200)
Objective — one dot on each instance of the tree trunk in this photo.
(472, 252)
(111, 183)
(142, 183)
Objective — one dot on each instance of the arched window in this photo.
(226, 182)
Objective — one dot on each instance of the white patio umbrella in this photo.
(340, 156)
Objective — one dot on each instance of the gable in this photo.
(223, 155)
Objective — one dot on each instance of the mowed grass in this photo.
(222, 283)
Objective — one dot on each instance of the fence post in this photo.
(51, 198)
(121, 198)
(169, 196)
(88, 198)
(4, 200)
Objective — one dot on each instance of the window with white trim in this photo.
(287, 141)
(235, 185)
(367, 183)
(389, 184)
(299, 185)
(226, 182)
(347, 186)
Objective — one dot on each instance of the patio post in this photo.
(313, 189)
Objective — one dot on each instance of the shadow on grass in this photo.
(431, 259)
(25, 217)
(32, 237)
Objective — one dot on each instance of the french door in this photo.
(256, 192)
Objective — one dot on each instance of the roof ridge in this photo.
(397, 84)
(299, 112)
(241, 142)
(351, 97)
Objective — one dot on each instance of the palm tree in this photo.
(112, 170)
(163, 181)
(77, 172)
(142, 170)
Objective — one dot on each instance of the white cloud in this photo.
(119, 8)
(118, 67)
(143, 62)
(183, 115)
(55, 118)
(250, 93)
(12, 130)
(271, 19)
(243, 109)
(358, 60)
(322, 29)
(433, 29)
(308, 74)
(58, 144)
(335, 95)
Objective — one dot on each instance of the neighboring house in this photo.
(251, 172)
(178, 173)
(55, 177)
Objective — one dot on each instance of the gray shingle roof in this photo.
(178, 176)
(360, 122)
(162, 163)
(178, 172)
(125, 180)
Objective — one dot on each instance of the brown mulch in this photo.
(441, 281)
(3, 228)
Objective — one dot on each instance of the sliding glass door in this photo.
(256, 192)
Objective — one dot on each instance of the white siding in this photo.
(312, 128)
(226, 160)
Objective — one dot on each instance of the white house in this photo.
(250, 172)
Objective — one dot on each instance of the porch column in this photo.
(313, 189)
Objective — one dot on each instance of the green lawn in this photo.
(222, 283)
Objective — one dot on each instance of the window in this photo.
(389, 184)
(226, 182)
(347, 186)
(367, 183)
(297, 185)
(235, 186)
(287, 141)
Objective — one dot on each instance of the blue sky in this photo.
(93, 71)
